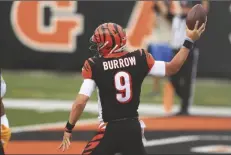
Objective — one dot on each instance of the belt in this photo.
(124, 119)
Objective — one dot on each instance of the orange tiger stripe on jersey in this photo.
(93, 143)
(86, 71)
(98, 137)
(150, 60)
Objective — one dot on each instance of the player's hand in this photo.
(66, 141)
(196, 33)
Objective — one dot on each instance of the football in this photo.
(197, 13)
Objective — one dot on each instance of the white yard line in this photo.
(184, 139)
(92, 107)
(147, 109)
(44, 126)
(170, 140)
(36, 127)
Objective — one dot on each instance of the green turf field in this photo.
(65, 86)
(40, 85)
(20, 117)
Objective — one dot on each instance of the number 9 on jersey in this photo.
(123, 84)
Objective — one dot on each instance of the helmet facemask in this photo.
(94, 47)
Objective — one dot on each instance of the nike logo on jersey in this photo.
(119, 63)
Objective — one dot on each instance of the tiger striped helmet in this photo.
(108, 38)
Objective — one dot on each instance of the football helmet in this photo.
(108, 38)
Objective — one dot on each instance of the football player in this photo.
(184, 90)
(118, 75)
(5, 129)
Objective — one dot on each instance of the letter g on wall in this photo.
(59, 36)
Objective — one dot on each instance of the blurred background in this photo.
(44, 44)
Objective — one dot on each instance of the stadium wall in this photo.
(55, 35)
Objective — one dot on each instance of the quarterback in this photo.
(118, 75)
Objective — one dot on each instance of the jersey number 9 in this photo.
(123, 84)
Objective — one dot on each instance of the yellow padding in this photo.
(5, 135)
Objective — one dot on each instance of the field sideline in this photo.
(49, 109)
(38, 99)
(182, 135)
(92, 107)
(65, 86)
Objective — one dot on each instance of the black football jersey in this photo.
(119, 78)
